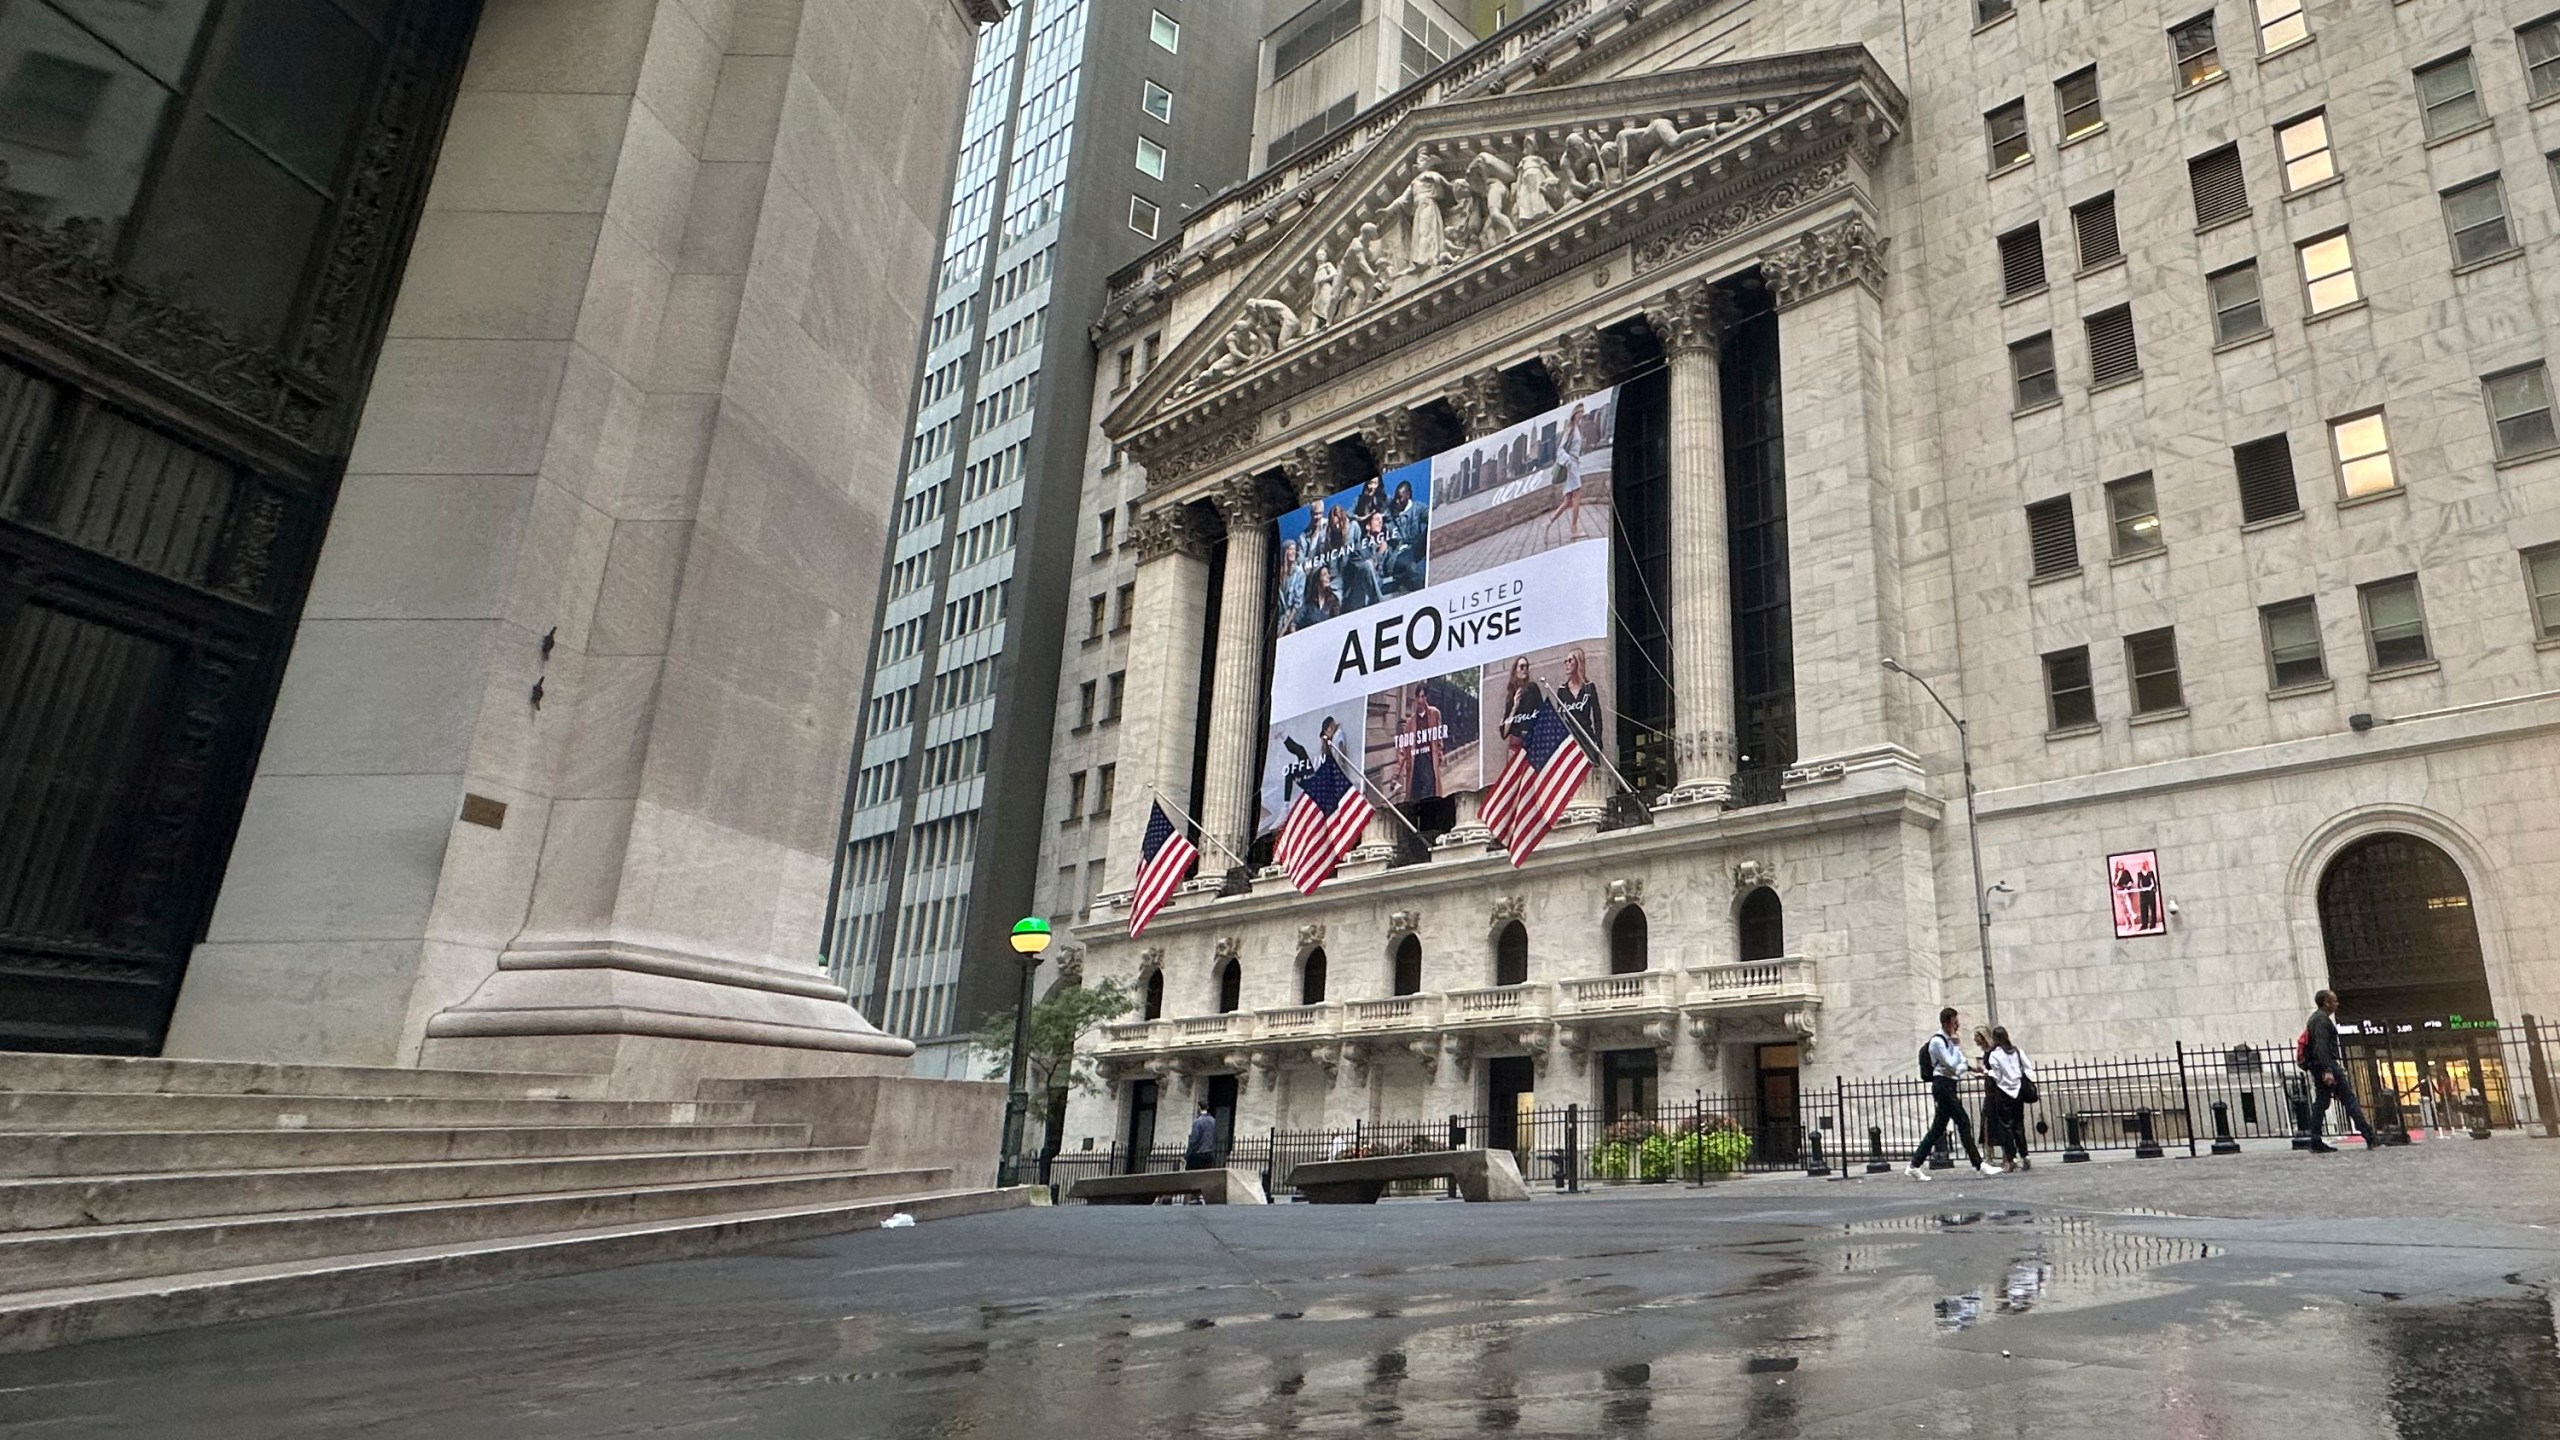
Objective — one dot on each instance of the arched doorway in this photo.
(1230, 987)
(1763, 925)
(2403, 951)
(1627, 942)
(1408, 976)
(1511, 954)
(1311, 977)
(1154, 1003)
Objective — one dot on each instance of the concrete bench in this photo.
(1214, 1187)
(1480, 1175)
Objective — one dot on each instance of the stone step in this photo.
(89, 1254)
(66, 1203)
(43, 1154)
(59, 1110)
(25, 1070)
(36, 1320)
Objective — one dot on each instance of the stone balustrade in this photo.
(1788, 977)
(1607, 994)
(1498, 1003)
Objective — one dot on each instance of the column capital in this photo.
(1389, 434)
(1309, 469)
(1242, 501)
(1816, 262)
(1479, 401)
(1690, 317)
(1169, 530)
(1576, 362)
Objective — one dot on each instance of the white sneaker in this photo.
(1916, 1173)
(1990, 1169)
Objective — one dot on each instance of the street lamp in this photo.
(1030, 937)
(1973, 835)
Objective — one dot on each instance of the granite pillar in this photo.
(1690, 323)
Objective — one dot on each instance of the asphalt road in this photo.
(2402, 1294)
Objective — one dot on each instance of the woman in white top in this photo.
(2006, 1120)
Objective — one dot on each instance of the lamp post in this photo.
(1030, 937)
(1972, 835)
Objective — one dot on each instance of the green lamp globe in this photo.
(1030, 935)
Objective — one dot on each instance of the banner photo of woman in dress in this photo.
(1405, 605)
(2133, 888)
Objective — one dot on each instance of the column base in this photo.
(655, 1021)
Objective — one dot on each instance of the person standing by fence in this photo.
(2004, 1101)
(1200, 1151)
(1943, 1058)
(2324, 1058)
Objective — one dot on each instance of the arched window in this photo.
(1627, 941)
(1230, 987)
(1154, 996)
(2395, 919)
(1409, 966)
(1311, 978)
(1511, 955)
(1763, 923)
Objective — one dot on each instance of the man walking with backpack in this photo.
(1944, 1062)
(2324, 1060)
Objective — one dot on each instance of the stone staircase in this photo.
(144, 1195)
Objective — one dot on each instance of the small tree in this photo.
(1059, 1022)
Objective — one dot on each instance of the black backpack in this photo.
(1928, 1067)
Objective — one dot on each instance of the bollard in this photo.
(1876, 1163)
(2223, 1144)
(2298, 1095)
(2478, 1105)
(2147, 1146)
(1815, 1165)
(2074, 1152)
(1573, 1148)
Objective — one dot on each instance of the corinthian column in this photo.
(1226, 800)
(1164, 677)
(1690, 323)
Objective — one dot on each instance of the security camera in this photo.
(2173, 907)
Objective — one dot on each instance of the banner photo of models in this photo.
(2133, 884)
(1426, 613)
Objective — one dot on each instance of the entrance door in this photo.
(1222, 1108)
(1628, 1081)
(1511, 1083)
(1776, 1126)
(1142, 1124)
(2413, 991)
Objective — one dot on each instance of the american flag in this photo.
(1322, 825)
(1163, 860)
(1536, 783)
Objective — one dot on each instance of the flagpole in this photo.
(1593, 747)
(1179, 813)
(1362, 776)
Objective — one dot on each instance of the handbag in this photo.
(2027, 1092)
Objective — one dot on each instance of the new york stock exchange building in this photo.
(1741, 381)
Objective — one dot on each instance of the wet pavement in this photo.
(2403, 1294)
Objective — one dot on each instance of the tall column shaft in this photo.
(1226, 801)
(1690, 325)
(1162, 712)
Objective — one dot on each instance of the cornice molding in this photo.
(1816, 262)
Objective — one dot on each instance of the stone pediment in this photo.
(1463, 203)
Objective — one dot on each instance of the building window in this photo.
(1143, 216)
(2112, 356)
(2238, 310)
(1166, 34)
(2280, 24)
(2476, 215)
(1118, 694)
(2031, 368)
(1093, 620)
(2542, 586)
(1085, 695)
(2293, 644)
(1075, 796)
(1311, 34)
(2267, 488)
(1126, 367)
(2303, 145)
(2394, 624)
(1986, 11)
(1150, 158)
(2192, 47)
(1426, 46)
(2449, 96)
(1103, 781)
(2093, 224)
(2329, 272)
(2076, 96)
(2220, 186)
(2363, 446)
(1128, 598)
(2008, 130)
(2520, 411)
(2540, 42)
(2022, 261)
(2070, 700)
(1157, 101)
(2151, 660)
(1105, 525)
(2133, 510)
(2053, 547)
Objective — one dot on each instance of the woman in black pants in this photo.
(2004, 1118)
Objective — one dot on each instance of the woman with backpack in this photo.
(2013, 1089)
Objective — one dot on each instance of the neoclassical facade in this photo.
(1794, 240)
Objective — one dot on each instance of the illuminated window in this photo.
(2192, 47)
(2363, 448)
(2280, 24)
(2303, 146)
(2329, 272)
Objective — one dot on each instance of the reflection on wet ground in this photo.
(1857, 1317)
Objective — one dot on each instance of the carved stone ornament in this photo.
(1241, 1063)
(1326, 1057)
(1170, 460)
(1662, 1034)
(1355, 1061)
(1310, 471)
(1479, 401)
(1389, 435)
(1168, 531)
(1403, 922)
(1507, 908)
(1575, 362)
(1818, 262)
(1626, 892)
(1151, 958)
(1750, 875)
(1690, 317)
(1310, 936)
(1426, 1049)
(1748, 212)
(1240, 500)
